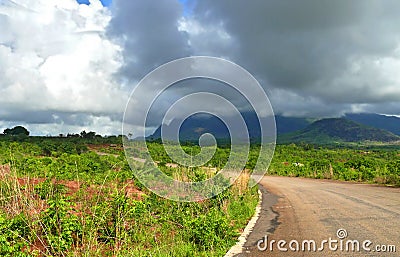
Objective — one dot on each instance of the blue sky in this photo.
(188, 6)
(104, 2)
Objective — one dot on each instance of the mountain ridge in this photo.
(290, 129)
(389, 123)
(339, 130)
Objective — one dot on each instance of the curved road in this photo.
(306, 209)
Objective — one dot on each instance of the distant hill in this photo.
(327, 131)
(389, 123)
(193, 127)
(196, 125)
(290, 124)
(351, 128)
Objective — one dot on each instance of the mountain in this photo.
(198, 124)
(351, 128)
(290, 124)
(331, 130)
(389, 123)
(193, 127)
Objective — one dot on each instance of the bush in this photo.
(12, 234)
(60, 227)
(210, 230)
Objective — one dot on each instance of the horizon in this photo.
(155, 128)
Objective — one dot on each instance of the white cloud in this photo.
(55, 57)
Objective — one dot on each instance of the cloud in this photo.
(55, 58)
(336, 52)
(103, 125)
(150, 35)
(71, 65)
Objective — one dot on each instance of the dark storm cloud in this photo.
(48, 117)
(39, 117)
(149, 33)
(192, 86)
(337, 52)
(294, 43)
(314, 58)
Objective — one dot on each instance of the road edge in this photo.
(239, 246)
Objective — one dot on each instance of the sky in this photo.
(67, 67)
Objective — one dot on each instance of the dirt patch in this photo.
(132, 191)
(72, 185)
(27, 181)
(5, 171)
(95, 147)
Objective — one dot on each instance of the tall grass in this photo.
(47, 217)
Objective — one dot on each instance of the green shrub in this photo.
(211, 230)
(13, 234)
(60, 227)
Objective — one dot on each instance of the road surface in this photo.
(299, 210)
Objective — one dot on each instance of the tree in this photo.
(83, 134)
(90, 135)
(73, 135)
(18, 130)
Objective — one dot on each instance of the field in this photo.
(78, 197)
(374, 163)
(66, 197)
(369, 164)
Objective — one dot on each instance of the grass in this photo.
(58, 217)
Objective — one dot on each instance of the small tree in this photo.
(83, 134)
(90, 135)
(18, 130)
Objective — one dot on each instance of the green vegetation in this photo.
(76, 196)
(372, 164)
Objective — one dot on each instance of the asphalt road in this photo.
(296, 209)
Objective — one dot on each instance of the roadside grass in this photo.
(102, 211)
(376, 165)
